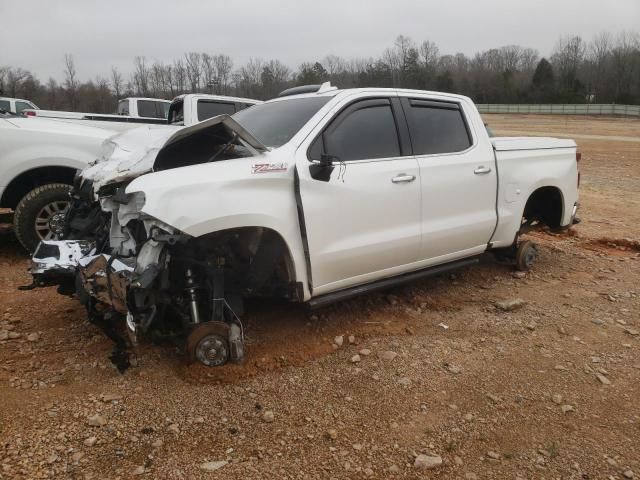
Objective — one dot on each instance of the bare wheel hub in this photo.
(208, 344)
(212, 351)
(50, 220)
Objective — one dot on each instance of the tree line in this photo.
(605, 69)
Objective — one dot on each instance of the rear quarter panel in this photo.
(520, 173)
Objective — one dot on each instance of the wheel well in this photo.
(545, 205)
(27, 181)
(260, 256)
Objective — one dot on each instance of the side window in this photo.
(437, 127)
(163, 108)
(149, 109)
(21, 106)
(365, 130)
(208, 109)
(5, 105)
(123, 107)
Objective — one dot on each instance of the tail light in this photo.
(30, 113)
(578, 158)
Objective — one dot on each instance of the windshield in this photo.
(275, 123)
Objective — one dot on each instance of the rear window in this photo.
(151, 109)
(437, 127)
(208, 109)
(123, 107)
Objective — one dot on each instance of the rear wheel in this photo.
(40, 214)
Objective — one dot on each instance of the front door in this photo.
(362, 213)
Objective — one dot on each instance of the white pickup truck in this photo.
(312, 197)
(16, 105)
(184, 110)
(132, 112)
(39, 155)
(38, 160)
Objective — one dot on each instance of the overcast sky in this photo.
(36, 34)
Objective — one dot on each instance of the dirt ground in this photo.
(550, 390)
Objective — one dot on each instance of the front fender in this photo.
(206, 198)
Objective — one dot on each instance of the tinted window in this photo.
(176, 112)
(151, 109)
(20, 106)
(275, 123)
(368, 132)
(5, 105)
(164, 108)
(123, 107)
(208, 109)
(437, 128)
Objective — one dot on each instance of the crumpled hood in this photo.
(133, 153)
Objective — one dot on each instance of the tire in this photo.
(40, 214)
(526, 255)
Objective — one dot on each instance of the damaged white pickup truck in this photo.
(315, 196)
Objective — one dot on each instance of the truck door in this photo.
(458, 180)
(362, 213)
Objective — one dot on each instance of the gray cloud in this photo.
(36, 34)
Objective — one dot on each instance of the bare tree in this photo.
(224, 65)
(179, 76)
(250, 77)
(116, 82)
(70, 80)
(209, 72)
(567, 58)
(429, 53)
(193, 62)
(141, 76)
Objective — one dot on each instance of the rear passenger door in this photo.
(458, 180)
(362, 215)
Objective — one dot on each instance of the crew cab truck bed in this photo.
(310, 197)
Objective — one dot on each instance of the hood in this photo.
(62, 128)
(146, 149)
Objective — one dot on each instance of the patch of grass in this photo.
(553, 448)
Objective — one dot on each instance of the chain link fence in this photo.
(563, 109)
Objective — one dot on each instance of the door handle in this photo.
(482, 170)
(403, 178)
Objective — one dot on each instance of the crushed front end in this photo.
(134, 273)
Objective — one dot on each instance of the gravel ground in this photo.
(485, 373)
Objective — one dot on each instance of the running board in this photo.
(324, 300)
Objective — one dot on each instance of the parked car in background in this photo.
(196, 107)
(141, 107)
(38, 161)
(16, 105)
(183, 110)
(153, 109)
(311, 197)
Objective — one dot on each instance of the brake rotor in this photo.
(208, 343)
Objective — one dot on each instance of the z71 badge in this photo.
(269, 167)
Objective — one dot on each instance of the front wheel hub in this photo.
(208, 344)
